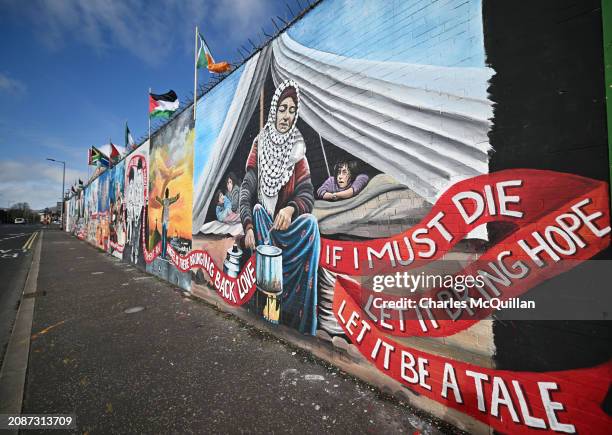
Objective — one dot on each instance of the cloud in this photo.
(134, 25)
(27, 138)
(38, 184)
(242, 18)
(149, 30)
(11, 86)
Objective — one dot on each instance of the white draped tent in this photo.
(426, 126)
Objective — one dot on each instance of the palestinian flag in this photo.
(129, 140)
(115, 155)
(205, 59)
(162, 106)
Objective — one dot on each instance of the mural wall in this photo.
(117, 211)
(170, 198)
(91, 212)
(136, 194)
(397, 138)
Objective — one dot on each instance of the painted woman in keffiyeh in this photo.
(276, 198)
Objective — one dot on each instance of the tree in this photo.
(21, 206)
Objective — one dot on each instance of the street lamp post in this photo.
(63, 183)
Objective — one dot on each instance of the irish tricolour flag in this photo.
(162, 106)
(205, 59)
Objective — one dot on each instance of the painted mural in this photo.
(79, 219)
(117, 211)
(290, 163)
(70, 214)
(90, 217)
(136, 196)
(170, 198)
(339, 153)
(78, 226)
(91, 211)
(102, 216)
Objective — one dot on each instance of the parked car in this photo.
(20, 221)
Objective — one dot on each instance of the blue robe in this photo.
(301, 246)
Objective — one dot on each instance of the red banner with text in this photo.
(511, 402)
(549, 209)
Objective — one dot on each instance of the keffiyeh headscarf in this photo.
(275, 148)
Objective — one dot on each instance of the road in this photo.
(16, 242)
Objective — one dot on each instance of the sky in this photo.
(72, 72)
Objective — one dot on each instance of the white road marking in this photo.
(14, 237)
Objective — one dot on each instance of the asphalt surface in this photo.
(15, 260)
(179, 365)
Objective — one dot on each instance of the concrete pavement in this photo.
(179, 365)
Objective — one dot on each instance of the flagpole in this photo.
(149, 116)
(195, 74)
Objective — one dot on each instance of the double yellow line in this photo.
(30, 241)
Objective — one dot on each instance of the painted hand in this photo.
(249, 239)
(283, 219)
